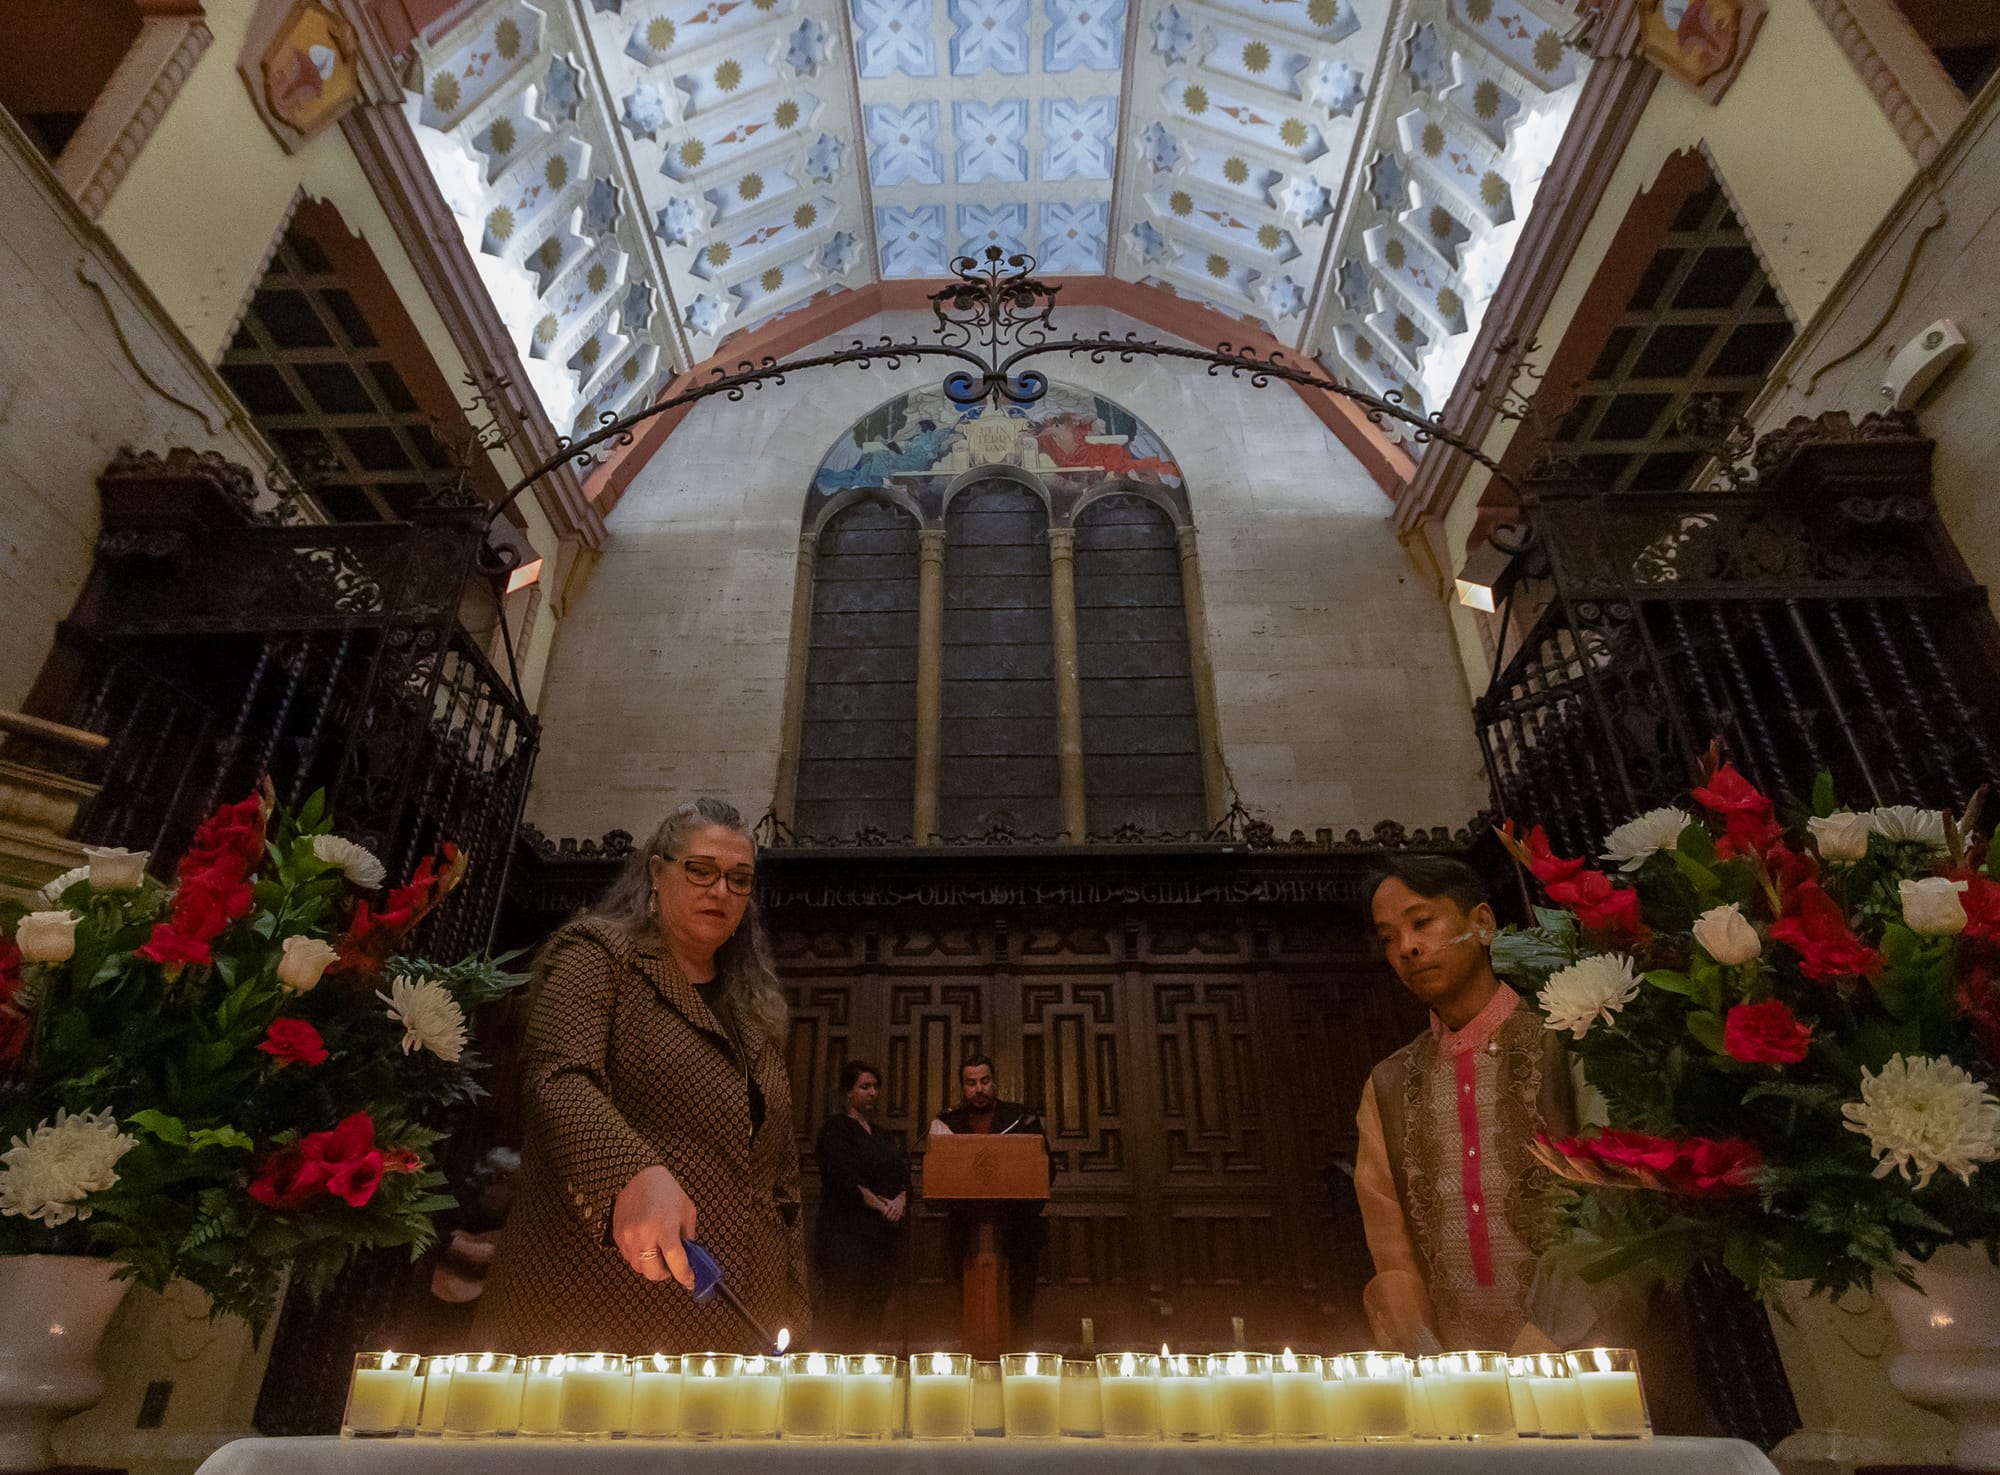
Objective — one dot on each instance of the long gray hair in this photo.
(743, 963)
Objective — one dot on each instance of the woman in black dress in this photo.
(864, 1195)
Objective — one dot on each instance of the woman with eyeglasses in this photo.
(656, 1110)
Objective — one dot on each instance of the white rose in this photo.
(1727, 936)
(46, 937)
(114, 868)
(1931, 906)
(304, 961)
(1841, 836)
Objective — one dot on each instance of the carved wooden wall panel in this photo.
(1198, 1067)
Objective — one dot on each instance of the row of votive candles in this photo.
(1237, 1396)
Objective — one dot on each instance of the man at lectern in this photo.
(981, 1111)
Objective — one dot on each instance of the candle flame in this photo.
(784, 1338)
(1031, 1366)
(596, 1363)
(871, 1364)
(659, 1362)
(1290, 1363)
(1128, 1366)
(708, 1367)
(1163, 1350)
(940, 1365)
(816, 1364)
(486, 1362)
(754, 1365)
(1238, 1364)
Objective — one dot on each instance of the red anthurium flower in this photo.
(1545, 863)
(1765, 1034)
(1600, 906)
(293, 1042)
(1749, 825)
(343, 1162)
(1828, 949)
(1694, 1167)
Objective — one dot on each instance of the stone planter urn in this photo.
(1949, 1339)
(53, 1312)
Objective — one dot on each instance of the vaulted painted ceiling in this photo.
(641, 180)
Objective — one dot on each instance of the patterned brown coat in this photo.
(625, 1067)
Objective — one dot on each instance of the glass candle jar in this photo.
(541, 1394)
(809, 1404)
(867, 1396)
(1187, 1397)
(596, 1397)
(1614, 1403)
(941, 1396)
(378, 1395)
(708, 1394)
(1377, 1389)
(1128, 1388)
(1031, 1394)
(1244, 1408)
(484, 1400)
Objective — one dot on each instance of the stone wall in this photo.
(1339, 693)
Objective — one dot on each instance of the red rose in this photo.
(1828, 949)
(212, 885)
(1748, 825)
(1765, 1034)
(1600, 906)
(293, 1042)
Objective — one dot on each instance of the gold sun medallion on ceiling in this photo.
(1218, 266)
(692, 152)
(1406, 331)
(660, 34)
(1235, 170)
(787, 114)
(597, 278)
(549, 254)
(545, 330)
(444, 92)
(507, 39)
(1393, 253)
(1492, 189)
(1486, 98)
(1323, 13)
(1181, 203)
(1270, 237)
(1293, 132)
(500, 137)
(1548, 51)
(1432, 140)
(750, 186)
(718, 254)
(1195, 100)
(1440, 222)
(1256, 57)
(804, 216)
(556, 171)
(729, 75)
(1449, 302)
(588, 354)
(500, 224)
(631, 370)
(772, 279)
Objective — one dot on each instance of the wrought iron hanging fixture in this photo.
(993, 320)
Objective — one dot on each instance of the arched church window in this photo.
(857, 729)
(1028, 669)
(999, 707)
(1141, 732)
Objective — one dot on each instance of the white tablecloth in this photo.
(978, 1457)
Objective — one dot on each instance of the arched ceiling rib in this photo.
(639, 180)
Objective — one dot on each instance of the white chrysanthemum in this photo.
(1908, 825)
(51, 894)
(1631, 843)
(430, 1016)
(1588, 991)
(61, 1162)
(1922, 1112)
(356, 862)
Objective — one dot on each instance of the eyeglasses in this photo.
(703, 874)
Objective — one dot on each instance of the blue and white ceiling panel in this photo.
(989, 122)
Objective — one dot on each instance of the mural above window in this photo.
(1072, 441)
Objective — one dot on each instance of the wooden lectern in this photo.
(986, 1173)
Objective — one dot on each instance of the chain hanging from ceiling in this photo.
(993, 320)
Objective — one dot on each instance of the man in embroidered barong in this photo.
(1449, 1193)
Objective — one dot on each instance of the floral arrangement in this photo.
(236, 1074)
(1795, 1028)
